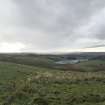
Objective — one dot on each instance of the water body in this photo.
(71, 61)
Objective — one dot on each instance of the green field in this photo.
(33, 85)
(92, 65)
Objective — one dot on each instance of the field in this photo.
(38, 83)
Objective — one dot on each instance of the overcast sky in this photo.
(52, 25)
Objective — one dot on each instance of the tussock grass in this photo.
(28, 85)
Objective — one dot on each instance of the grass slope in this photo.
(27, 85)
(92, 65)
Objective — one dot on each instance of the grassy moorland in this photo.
(26, 85)
(23, 84)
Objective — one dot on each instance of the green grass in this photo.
(29, 85)
(92, 65)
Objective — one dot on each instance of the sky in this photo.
(52, 26)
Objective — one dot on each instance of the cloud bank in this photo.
(51, 25)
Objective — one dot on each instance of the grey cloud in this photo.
(53, 24)
(95, 46)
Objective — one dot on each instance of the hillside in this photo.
(31, 85)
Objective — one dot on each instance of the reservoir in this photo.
(71, 61)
